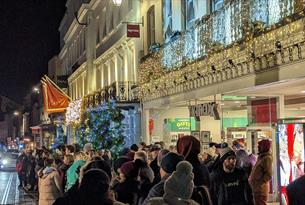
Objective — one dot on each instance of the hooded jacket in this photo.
(49, 184)
(261, 174)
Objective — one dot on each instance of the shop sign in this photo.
(133, 31)
(182, 124)
(206, 109)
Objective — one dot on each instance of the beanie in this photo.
(119, 162)
(180, 184)
(264, 145)
(225, 153)
(130, 169)
(170, 161)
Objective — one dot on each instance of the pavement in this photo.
(11, 194)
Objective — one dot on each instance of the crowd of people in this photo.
(149, 175)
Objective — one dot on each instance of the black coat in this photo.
(201, 174)
(296, 192)
(127, 191)
(219, 190)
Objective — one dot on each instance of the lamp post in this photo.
(117, 2)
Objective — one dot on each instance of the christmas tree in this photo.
(60, 137)
(104, 127)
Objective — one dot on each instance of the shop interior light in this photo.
(117, 2)
(252, 97)
(303, 91)
(236, 102)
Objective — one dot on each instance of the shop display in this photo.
(291, 155)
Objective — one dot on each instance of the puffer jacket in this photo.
(261, 174)
(73, 173)
(49, 185)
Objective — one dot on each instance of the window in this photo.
(190, 13)
(150, 26)
(183, 14)
(217, 4)
(167, 18)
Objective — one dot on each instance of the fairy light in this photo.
(73, 114)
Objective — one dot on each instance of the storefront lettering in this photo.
(207, 109)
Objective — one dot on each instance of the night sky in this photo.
(29, 38)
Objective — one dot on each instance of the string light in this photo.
(165, 69)
(74, 112)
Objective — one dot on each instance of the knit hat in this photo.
(119, 162)
(189, 147)
(180, 184)
(130, 169)
(225, 153)
(264, 145)
(170, 161)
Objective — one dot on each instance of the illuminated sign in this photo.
(181, 124)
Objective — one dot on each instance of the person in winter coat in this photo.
(295, 191)
(67, 162)
(74, 170)
(146, 175)
(49, 183)
(189, 147)
(178, 188)
(93, 190)
(229, 184)
(262, 173)
(154, 151)
(168, 166)
(127, 190)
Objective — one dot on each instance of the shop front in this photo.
(248, 116)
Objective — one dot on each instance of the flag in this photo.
(55, 100)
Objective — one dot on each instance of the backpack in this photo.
(201, 195)
(19, 166)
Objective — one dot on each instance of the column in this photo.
(91, 50)
(137, 124)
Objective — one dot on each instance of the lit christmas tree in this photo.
(104, 128)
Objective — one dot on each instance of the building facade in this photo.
(222, 71)
(99, 58)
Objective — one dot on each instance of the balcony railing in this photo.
(231, 24)
(119, 91)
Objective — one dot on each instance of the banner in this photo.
(55, 100)
(133, 31)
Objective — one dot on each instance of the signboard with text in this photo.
(206, 109)
(133, 30)
(181, 124)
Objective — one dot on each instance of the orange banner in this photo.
(55, 100)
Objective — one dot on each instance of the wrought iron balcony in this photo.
(119, 91)
(236, 21)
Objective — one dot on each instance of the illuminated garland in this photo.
(175, 64)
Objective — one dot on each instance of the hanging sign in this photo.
(206, 109)
(133, 30)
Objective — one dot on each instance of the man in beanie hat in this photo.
(229, 184)
(178, 188)
(262, 173)
(168, 166)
